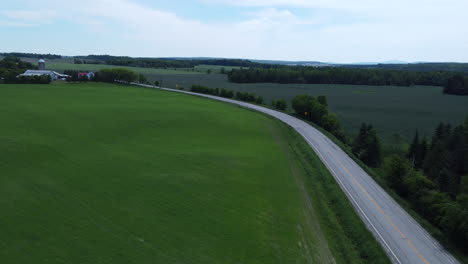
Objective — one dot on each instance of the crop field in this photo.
(60, 66)
(100, 173)
(391, 109)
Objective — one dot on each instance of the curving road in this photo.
(404, 240)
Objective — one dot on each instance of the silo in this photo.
(41, 64)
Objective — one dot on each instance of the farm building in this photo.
(90, 75)
(42, 71)
(53, 75)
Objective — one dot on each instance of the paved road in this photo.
(404, 240)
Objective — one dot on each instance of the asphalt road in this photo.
(404, 240)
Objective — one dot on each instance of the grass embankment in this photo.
(98, 173)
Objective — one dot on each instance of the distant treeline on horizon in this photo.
(178, 62)
(452, 76)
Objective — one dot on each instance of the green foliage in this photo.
(31, 55)
(42, 79)
(439, 194)
(259, 100)
(112, 75)
(226, 93)
(397, 169)
(367, 147)
(309, 108)
(203, 90)
(338, 75)
(417, 151)
(247, 97)
(322, 100)
(11, 66)
(316, 110)
(166, 63)
(457, 84)
(142, 78)
(281, 104)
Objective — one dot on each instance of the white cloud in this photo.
(407, 30)
(28, 17)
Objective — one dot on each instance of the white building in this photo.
(42, 71)
(53, 75)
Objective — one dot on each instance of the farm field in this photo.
(96, 67)
(99, 173)
(391, 109)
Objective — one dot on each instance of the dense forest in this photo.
(454, 83)
(433, 176)
(338, 75)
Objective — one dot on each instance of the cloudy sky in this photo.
(322, 30)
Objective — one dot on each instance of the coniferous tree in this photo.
(367, 146)
(413, 152)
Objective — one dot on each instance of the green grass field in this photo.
(98, 173)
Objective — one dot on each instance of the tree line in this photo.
(31, 55)
(11, 67)
(161, 62)
(241, 96)
(457, 84)
(315, 109)
(107, 75)
(338, 75)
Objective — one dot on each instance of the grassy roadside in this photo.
(348, 237)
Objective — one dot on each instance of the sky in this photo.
(345, 31)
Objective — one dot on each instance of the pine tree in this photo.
(413, 152)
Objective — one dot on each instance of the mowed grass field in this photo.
(391, 109)
(99, 173)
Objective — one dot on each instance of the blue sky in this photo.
(323, 30)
